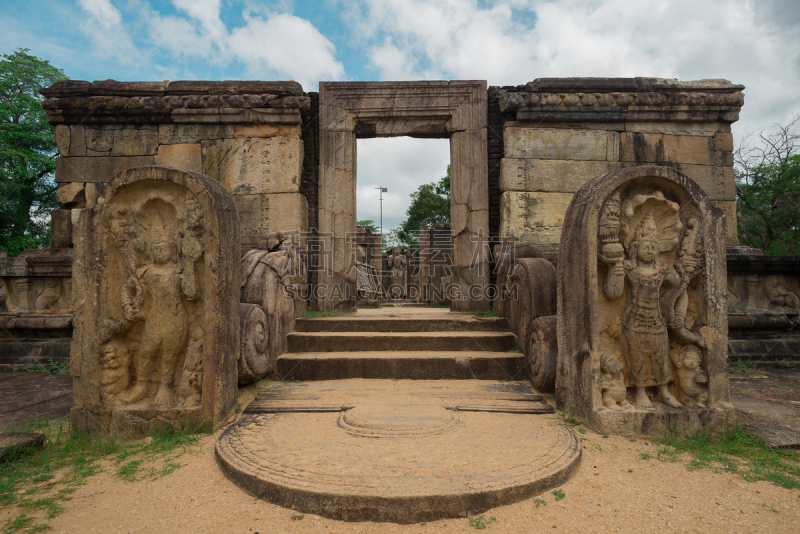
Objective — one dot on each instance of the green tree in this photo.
(430, 206)
(369, 223)
(768, 192)
(27, 152)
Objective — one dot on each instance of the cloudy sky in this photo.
(752, 42)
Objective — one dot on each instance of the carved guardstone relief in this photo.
(158, 303)
(398, 263)
(656, 281)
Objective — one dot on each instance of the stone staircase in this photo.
(402, 343)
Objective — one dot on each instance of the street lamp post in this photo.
(383, 190)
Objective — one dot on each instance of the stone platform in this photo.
(403, 451)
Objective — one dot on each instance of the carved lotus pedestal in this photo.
(642, 317)
(156, 281)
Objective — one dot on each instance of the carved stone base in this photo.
(662, 419)
(136, 422)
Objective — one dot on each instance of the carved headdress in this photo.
(158, 233)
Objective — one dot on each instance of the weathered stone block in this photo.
(266, 130)
(633, 359)
(100, 140)
(550, 175)
(77, 140)
(173, 134)
(533, 217)
(60, 228)
(69, 194)
(731, 232)
(135, 142)
(255, 165)
(659, 148)
(156, 325)
(62, 139)
(260, 215)
(96, 169)
(557, 143)
(185, 157)
(723, 141)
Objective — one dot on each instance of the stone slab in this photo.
(172, 134)
(174, 309)
(361, 439)
(186, 157)
(135, 142)
(401, 364)
(28, 395)
(549, 175)
(266, 130)
(255, 165)
(405, 341)
(729, 207)
(260, 215)
(559, 143)
(660, 148)
(70, 193)
(96, 169)
(62, 139)
(533, 217)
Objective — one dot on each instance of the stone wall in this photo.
(245, 134)
(561, 132)
(35, 308)
(763, 307)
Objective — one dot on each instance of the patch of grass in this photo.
(597, 447)
(312, 314)
(768, 507)
(786, 363)
(744, 367)
(740, 452)
(440, 305)
(52, 366)
(291, 380)
(34, 484)
(568, 417)
(481, 522)
(515, 349)
(645, 455)
(667, 454)
(489, 313)
(559, 494)
(787, 388)
(605, 436)
(582, 430)
(538, 501)
(298, 517)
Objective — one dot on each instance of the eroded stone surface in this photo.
(653, 292)
(156, 293)
(406, 451)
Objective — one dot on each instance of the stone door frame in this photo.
(456, 110)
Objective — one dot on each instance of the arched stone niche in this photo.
(642, 317)
(156, 281)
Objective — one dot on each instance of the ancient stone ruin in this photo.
(631, 358)
(156, 281)
(592, 235)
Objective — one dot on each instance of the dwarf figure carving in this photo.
(612, 386)
(115, 377)
(48, 297)
(778, 298)
(691, 380)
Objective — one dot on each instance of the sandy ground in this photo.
(614, 491)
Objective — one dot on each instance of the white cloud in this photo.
(288, 45)
(106, 29)
(756, 44)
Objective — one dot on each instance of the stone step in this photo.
(405, 323)
(390, 304)
(400, 341)
(414, 365)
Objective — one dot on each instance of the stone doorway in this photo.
(454, 110)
